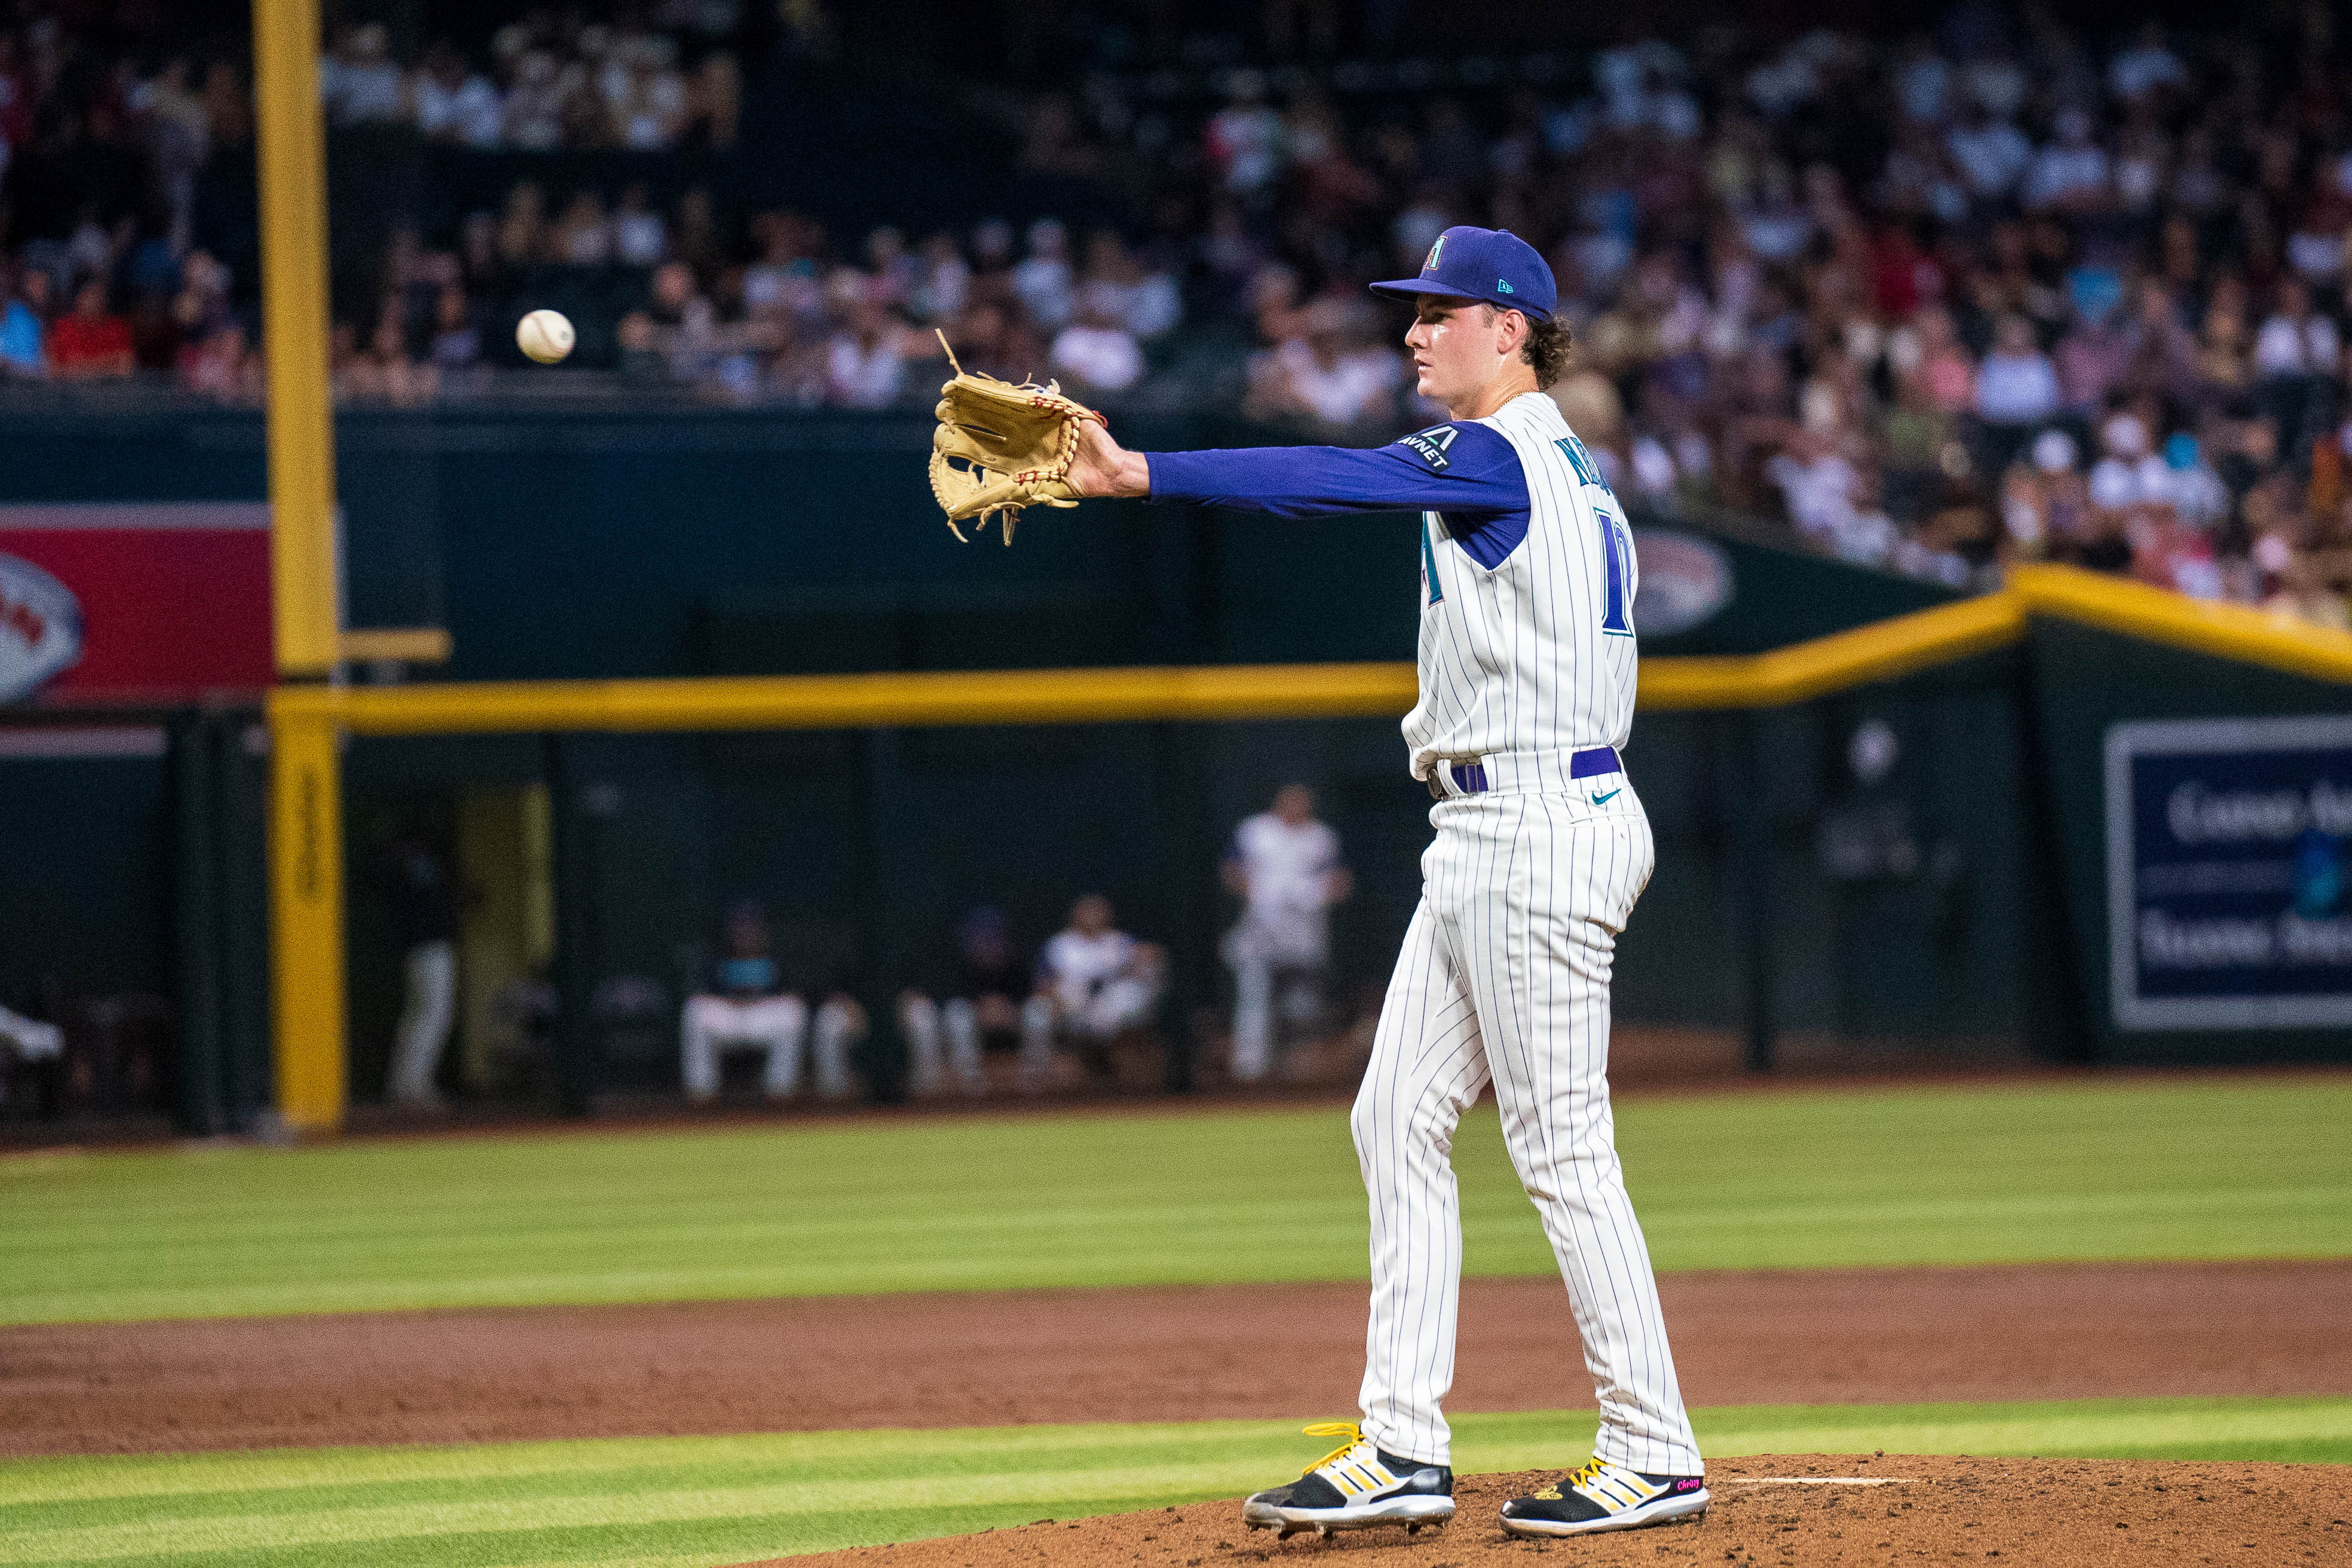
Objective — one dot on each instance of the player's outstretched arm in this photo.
(1104, 468)
(1467, 470)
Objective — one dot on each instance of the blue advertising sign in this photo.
(2230, 873)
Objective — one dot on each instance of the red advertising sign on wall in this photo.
(130, 602)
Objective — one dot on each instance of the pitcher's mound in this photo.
(1809, 1509)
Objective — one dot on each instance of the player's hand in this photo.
(1104, 468)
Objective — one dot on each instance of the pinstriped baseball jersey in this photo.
(1527, 657)
(1535, 654)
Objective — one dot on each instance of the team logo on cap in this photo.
(1431, 265)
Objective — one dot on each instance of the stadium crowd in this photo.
(552, 80)
(1992, 293)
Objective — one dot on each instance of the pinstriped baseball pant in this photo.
(1505, 978)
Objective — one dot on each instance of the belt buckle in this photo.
(1469, 777)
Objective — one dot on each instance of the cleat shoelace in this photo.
(1574, 1480)
(1347, 1429)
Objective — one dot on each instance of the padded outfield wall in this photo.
(1920, 901)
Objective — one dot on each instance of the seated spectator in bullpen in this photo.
(29, 1039)
(749, 1009)
(981, 1004)
(1095, 982)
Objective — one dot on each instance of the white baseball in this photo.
(544, 335)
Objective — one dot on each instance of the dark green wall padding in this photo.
(687, 542)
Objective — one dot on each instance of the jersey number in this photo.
(1428, 559)
(1615, 548)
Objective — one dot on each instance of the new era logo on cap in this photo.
(1489, 264)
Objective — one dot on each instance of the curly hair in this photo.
(1548, 347)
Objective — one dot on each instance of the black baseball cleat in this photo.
(1354, 1487)
(1603, 1496)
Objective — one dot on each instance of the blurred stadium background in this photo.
(1976, 379)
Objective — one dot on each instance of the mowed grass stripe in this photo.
(626, 1502)
(2137, 1170)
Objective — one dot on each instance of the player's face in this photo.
(1456, 345)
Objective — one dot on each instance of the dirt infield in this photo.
(2065, 1513)
(986, 1359)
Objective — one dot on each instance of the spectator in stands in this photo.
(1095, 983)
(2017, 390)
(219, 365)
(385, 370)
(1326, 376)
(979, 1005)
(522, 227)
(535, 102)
(746, 1008)
(943, 284)
(644, 93)
(456, 336)
(640, 237)
(865, 360)
(454, 103)
(2071, 173)
(1726, 281)
(1095, 354)
(357, 82)
(1042, 282)
(1285, 867)
(714, 101)
(92, 343)
(1117, 290)
(22, 329)
(2297, 354)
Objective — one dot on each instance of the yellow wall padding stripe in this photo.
(1881, 651)
(2225, 631)
(843, 701)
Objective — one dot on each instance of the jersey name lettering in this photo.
(1581, 460)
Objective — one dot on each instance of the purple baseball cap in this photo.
(1491, 265)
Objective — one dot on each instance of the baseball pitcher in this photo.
(1526, 667)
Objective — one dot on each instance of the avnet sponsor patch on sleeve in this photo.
(1430, 445)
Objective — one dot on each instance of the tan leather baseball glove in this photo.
(1000, 447)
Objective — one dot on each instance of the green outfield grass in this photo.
(702, 1500)
(2201, 1168)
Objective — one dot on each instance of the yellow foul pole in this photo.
(306, 786)
(306, 918)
